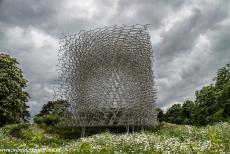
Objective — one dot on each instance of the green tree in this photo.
(206, 104)
(223, 77)
(173, 114)
(212, 103)
(51, 113)
(160, 114)
(224, 99)
(13, 98)
(187, 114)
(223, 89)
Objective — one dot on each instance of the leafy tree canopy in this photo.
(51, 113)
(13, 98)
(212, 103)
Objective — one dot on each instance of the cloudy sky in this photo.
(191, 39)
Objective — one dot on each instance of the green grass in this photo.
(169, 138)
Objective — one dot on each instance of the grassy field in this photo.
(169, 138)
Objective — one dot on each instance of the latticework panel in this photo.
(106, 75)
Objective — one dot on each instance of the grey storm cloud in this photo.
(190, 39)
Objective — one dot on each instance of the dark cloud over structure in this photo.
(190, 39)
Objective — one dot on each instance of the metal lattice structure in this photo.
(106, 75)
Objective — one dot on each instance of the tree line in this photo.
(211, 104)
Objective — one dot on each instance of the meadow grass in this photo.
(169, 138)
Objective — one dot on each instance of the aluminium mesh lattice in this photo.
(106, 75)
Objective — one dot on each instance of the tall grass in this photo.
(170, 138)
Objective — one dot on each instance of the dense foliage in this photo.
(211, 104)
(170, 138)
(13, 98)
(51, 113)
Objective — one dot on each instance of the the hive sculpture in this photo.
(106, 75)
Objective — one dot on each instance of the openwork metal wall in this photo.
(106, 75)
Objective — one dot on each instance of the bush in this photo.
(14, 130)
(51, 113)
(46, 119)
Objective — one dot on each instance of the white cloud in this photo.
(37, 53)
